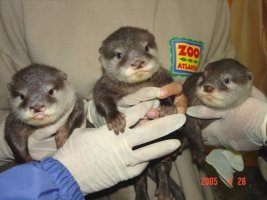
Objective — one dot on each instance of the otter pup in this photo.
(129, 59)
(40, 96)
(223, 84)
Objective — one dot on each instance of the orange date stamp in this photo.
(214, 181)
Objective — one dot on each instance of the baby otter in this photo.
(40, 96)
(223, 84)
(129, 59)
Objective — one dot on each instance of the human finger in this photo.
(144, 94)
(137, 112)
(181, 103)
(203, 112)
(173, 88)
(155, 129)
(156, 150)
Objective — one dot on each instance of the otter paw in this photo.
(142, 196)
(163, 194)
(117, 123)
(198, 158)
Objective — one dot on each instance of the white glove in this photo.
(242, 128)
(42, 142)
(98, 159)
(144, 94)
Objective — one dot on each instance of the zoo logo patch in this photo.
(186, 55)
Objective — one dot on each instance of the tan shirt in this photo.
(67, 34)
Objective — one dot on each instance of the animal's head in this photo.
(129, 55)
(224, 83)
(39, 94)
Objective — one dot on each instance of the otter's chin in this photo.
(40, 120)
(212, 101)
(139, 76)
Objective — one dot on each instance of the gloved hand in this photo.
(242, 128)
(98, 159)
(42, 143)
(144, 94)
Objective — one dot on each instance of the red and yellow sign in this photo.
(186, 55)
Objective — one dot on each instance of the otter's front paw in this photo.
(198, 158)
(164, 193)
(116, 122)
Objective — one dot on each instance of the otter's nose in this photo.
(208, 88)
(37, 108)
(137, 64)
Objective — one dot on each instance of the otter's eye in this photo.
(119, 55)
(22, 97)
(51, 92)
(226, 80)
(146, 48)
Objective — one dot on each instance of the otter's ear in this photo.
(11, 88)
(100, 50)
(63, 76)
(250, 76)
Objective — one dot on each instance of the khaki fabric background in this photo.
(68, 34)
(249, 37)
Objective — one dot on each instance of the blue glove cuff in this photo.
(69, 189)
(48, 179)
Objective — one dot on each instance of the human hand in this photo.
(98, 159)
(166, 91)
(144, 94)
(242, 128)
(41, 142)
